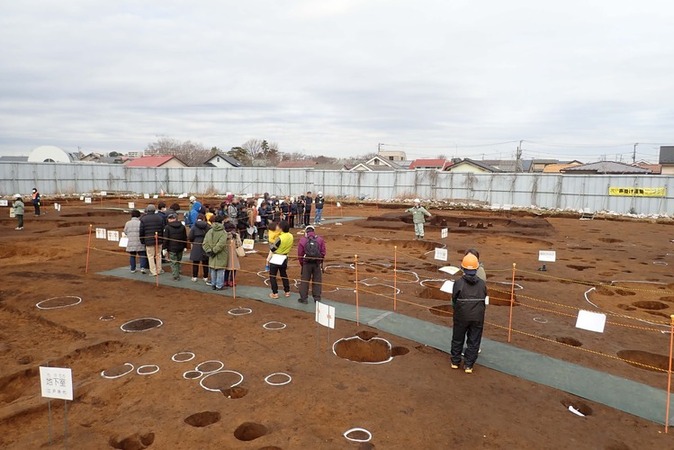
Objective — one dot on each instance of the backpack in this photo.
(311, 249)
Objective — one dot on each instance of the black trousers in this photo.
(307, 216)
(311, 271)
(469, 331)
(195, 268)
(283, 270)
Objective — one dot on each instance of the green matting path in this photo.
(620, 393)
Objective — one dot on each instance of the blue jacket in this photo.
(191, 218)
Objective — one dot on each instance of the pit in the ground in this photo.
(651, 305)
(235, 392)
(203, 419)
(578, 405)
(645, 360)
(249, 431)
(356, 349)
(569, 341)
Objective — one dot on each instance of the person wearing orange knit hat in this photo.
(468, 300)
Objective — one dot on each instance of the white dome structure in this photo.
(50, 153)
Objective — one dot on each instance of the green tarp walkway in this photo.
(620, 393)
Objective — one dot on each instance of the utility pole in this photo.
(634, 154)
(379, 147)
(518, 167)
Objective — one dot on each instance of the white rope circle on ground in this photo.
(78, 300)
(198, 372)
(146, 366)
(271, 383)
(106, 318)
(209, 361)
(242, 311)
(174, 357)
(390, 347)
(112, 377)
(660, 263)
(201, 382)
(540, 320)
(136, 320)
(267, 326)
(362, 430)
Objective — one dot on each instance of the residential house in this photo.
(169, 161)
(605, 168)
(667, 159)
(13, 159)
(392, 155)
(559, 167)
(377, 163)
(468, 165)
(437, 164)
(222, 160)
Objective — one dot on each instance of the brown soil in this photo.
(328, 395)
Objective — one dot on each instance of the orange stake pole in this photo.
(157, 258)
(357, 305)
(231, 266)
(395, 278)
(512, 304)
(86, 266)
(669, 372)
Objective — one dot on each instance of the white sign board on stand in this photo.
(325, 315)
(87, 200)
(547, 255)
(444, 233)
(448, 287)
(4, 203)
(113, 236)
(441, 254)
(56, 382)
(132, 205)
(101, 233)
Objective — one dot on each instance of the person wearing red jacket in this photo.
(311, 253)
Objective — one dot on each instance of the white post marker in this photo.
(441, 254)
(132, 205)
(591, 321)
(444, 233)
(325, 315)
(101, 233)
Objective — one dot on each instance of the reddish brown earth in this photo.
(413, 402)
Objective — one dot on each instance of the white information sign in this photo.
(441, 254)
(113, 236)
(155, 196)
(591, 321)
(146, 195)
(444, 233)
(101, 233)
(447, 286)
(104, 193)
(87, 200)
(547, 255)
(56, 382)
(325, 315)
(339, 205)
(132, 205)
(4, 203)
(449, 269)
(81, 198)
(248, 244)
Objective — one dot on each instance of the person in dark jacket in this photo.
(175, 240)
(197, 255)
(152, 225)
(468, 300)
(312, 267)
(320, 201)
(308, 200)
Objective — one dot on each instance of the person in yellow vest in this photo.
(281, 247)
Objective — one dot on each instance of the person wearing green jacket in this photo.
(419, 215)
(216, 246)
(19, 209)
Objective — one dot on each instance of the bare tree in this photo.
(191, 153)
(253, 147)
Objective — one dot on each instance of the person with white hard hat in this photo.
(419, 214)
(319, 201)
(19, 209)
(191, 216)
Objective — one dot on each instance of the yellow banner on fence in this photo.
(637, 192)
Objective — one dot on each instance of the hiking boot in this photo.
(272, 295)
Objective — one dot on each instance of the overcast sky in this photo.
(573, 79)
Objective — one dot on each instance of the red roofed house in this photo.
(438, 164)
(156, 161)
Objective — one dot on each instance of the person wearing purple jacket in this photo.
(311, 253)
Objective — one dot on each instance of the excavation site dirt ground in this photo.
(198, 369)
